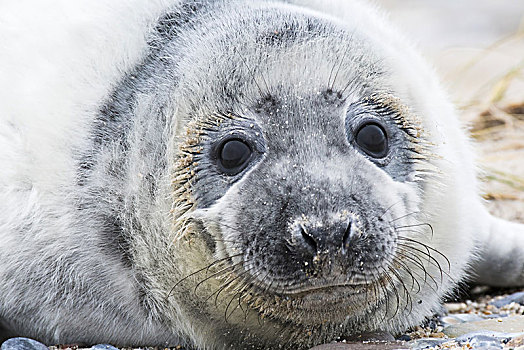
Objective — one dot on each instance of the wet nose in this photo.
(321, 236)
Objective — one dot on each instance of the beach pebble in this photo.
(22, 344)
(514, 324)
(363, 346)
(103, 347)
(426, 343)
(459, 318)
(480, 341)
(500, 336)
(404, 337)
(455, 307)
(512, 298)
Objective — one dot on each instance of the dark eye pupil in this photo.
(373, 140)
(233, 156)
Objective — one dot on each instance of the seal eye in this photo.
(372, 139)
(233, 156)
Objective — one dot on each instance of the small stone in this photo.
(103, 347)
(480, 341)
(449, 320)
(499, 336)
(495, 316)
(472, 304)
(426, 343)
(22, 344)
(455, 307)
(513, 324)
(362, 346)
(437, 335)
(512, 298)
(404, 337)
(459, 318)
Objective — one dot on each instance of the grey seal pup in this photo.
(230, 174)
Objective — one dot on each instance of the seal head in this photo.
(307, 179)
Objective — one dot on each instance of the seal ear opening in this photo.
(500, 258)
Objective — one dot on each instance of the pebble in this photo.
(454, 307)
(517, 298)
(485, 323)
(479, 341)
(404, 337)
(22, 344)
(514, 324)
(459, 318)
(103, 347)
(426, 343)
(366, 345)
(499, 336)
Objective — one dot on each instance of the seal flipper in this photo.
(500, 259)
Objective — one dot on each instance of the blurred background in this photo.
(477, 48)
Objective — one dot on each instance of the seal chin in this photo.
(354, 284)
(327, 287)
(313, 303)
(331, 304)
(335, 300)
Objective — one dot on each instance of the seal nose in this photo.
(318, 237)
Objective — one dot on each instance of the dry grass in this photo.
(495, 114)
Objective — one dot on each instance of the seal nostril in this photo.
(347, 236)
(308, 238)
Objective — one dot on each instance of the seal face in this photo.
(267, 175)
(313, 220)
(306, 186)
